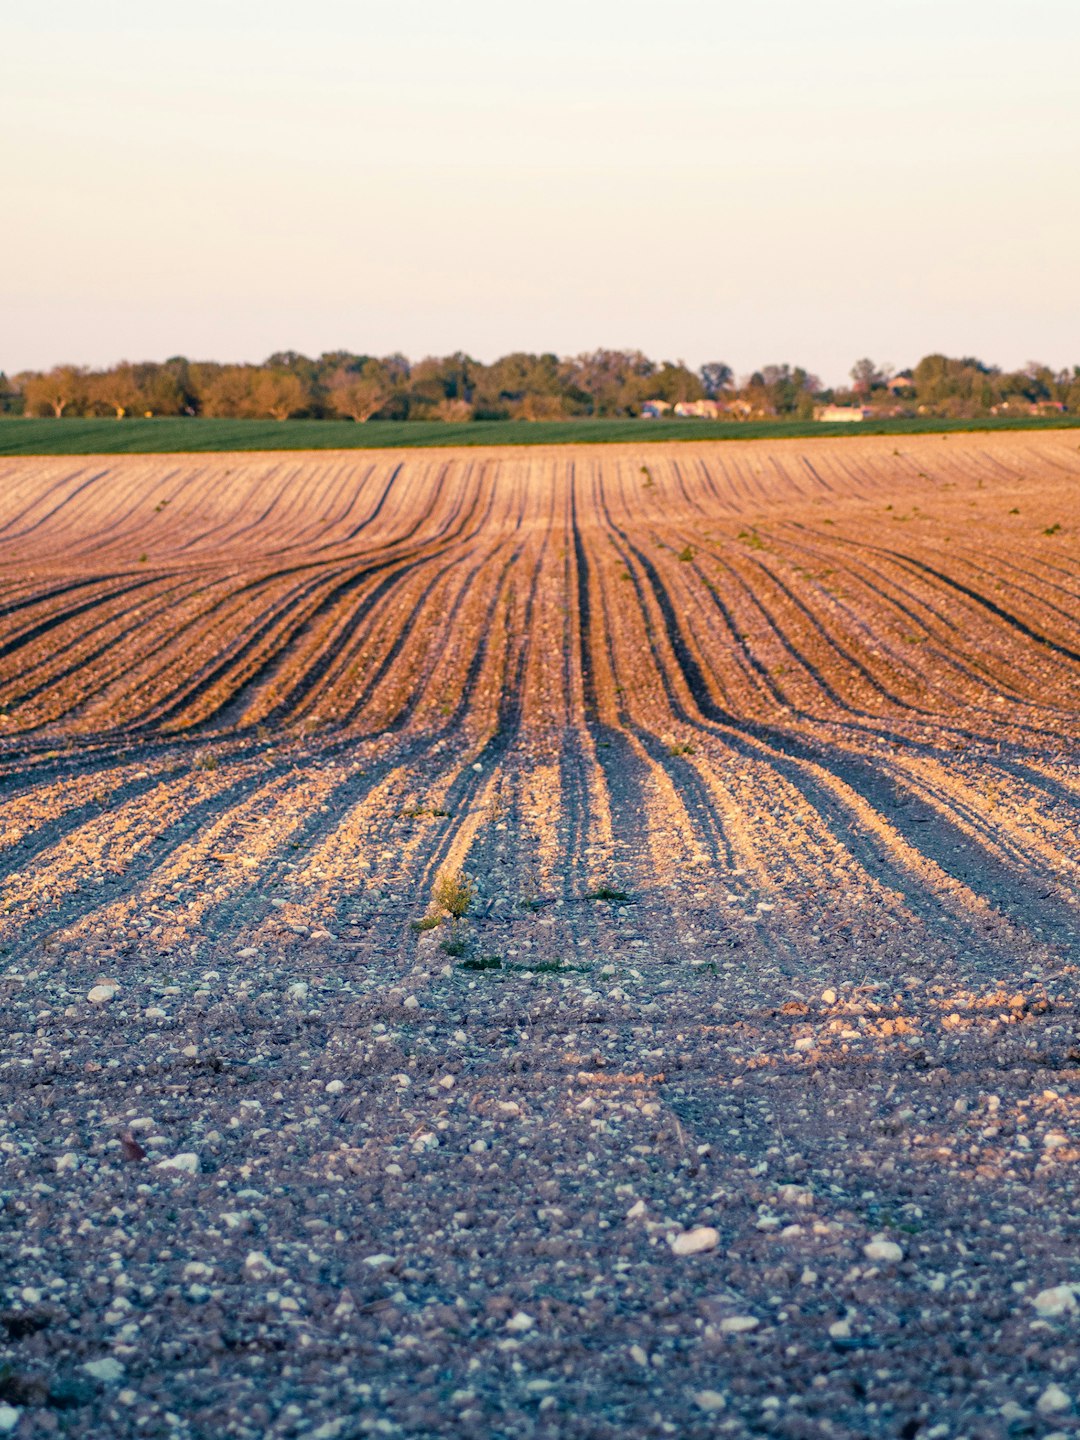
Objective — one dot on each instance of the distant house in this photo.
(654, 409)
(698, 409)
(842, 413)
(899, 383)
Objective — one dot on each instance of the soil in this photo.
(741, 1098)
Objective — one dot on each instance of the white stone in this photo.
(709, 1400)
(804, 1042)
(840, 1329)
(104, 1369)
(1052, 1400)
(519, 1323)
(101, 994)
(887, 1251)
(636, 1210)
(412, 1003)
(1057, 1300)
(247, 952)
(693, 1242)
(259, 1266)
(9, 1417)
(736, 1324)
(187, 1163)
(828, 997)
(298, 990)
(69, 1161)
(334, 1087)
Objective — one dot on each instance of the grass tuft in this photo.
(606, 892)
(454, 892)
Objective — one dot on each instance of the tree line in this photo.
(521, 386)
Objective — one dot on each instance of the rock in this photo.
(1057, 1300)
(258, 1266)
(737, 1324)
(412, 1003)
(709, 1400)
(886, 1251)
(636, 1210)
(186, 1163)
(693, 1242)
(1053, 1400)
(101, 994)
(106, 1369)
(69, 1161)
(9, 1418)
(840, 1330)
(519, 1323)
(334, 1087)
(828, 997)
(155, 1012)
(298, 990)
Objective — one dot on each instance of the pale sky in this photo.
(749, 182)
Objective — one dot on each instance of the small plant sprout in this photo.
(608, 892)
(454, 892)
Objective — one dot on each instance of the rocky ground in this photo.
(739, 1097)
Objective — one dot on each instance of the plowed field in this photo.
(760, 761)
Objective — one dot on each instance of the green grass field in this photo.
(19, 436)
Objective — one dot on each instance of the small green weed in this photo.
(1051, 529)
(607, 892)
(686, 554)
(455, 945)
(454, 892)
(429, 922)
(482, 962)
(680, 747)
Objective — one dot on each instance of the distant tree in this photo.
(716, 377)
(675, 383)
(867, 377)
(360, 395)
(227, 392)
(278, 393)
(62, 388)
(114, 390)
(12, 401)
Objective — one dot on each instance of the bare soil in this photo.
(759, 765)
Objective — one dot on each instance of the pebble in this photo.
(1057, 1300)
(828, 997)
(101, 994)
(885, 1250)
(298, 990)
(334, 1087)
(412, 1003)
(709, 1400)
(187, 1163)
(1052, 1400)
(519, 1323)
(70, 1161)
(693, 1242)
(737, 1324)
(258, 1266)
(9, 1417)
(104, 1369)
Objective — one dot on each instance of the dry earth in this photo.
(811, 707)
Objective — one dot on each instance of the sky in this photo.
(702, 180)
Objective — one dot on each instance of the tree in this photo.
(866, 377)
(62, 388)
(115, 389)
(716, 377)
(227, 392)
(279, 393)
(360, 395)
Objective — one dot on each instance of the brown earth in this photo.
(760, 761)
